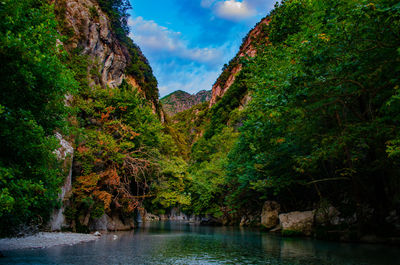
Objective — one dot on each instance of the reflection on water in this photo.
(182, 243)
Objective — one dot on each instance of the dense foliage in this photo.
(33, 85)
(324, 112)
(119, 141)
(116, 153)
(322, 122)
(122, 151)
(321, 127)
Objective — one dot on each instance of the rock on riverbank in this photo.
(44, 240)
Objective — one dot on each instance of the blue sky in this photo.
(188, 41)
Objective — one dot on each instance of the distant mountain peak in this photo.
(179, 101)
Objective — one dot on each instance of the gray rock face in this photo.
(301, 222)
(64, 153)
(93, 36)
(93, 33)
(111, 223)
(179, 101)
(114, 223)
(99, 224)
(177, 215)
(269, 214)
(147, 217)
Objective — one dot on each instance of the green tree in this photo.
(325, 107)
(34, 83)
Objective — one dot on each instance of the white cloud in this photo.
(177, 65)
(234, 10)
(158, 40)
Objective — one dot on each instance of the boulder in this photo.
(111, 223)
(177, 215)
(99, 224)
(250, 220)
(270, 214)
(394, 219)
(114, 223)
(328, 215)
(297, 222)
(151, 217)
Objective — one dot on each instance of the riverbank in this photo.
(44, 240)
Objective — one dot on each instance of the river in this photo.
(183, 243)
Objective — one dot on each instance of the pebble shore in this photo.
(44, 240)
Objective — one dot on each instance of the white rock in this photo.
(298, 221)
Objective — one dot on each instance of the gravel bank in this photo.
(45, 240)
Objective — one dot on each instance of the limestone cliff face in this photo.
(64, 153)
(88, 33)
(92, 32)
(248, 48)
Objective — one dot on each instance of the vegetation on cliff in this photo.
(117, 135)
(122, 149)
(321, 125)
(34, 82)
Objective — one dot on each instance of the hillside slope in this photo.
(295, 122)
(257, 36)
(179, 101)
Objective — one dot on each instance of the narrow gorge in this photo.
(298, 136)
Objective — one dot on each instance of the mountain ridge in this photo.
(180, 100)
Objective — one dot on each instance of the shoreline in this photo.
(45, 240)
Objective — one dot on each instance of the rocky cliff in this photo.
(113, 59)
(257, 36)
(90, 32)
(179, 101)
(100, 58)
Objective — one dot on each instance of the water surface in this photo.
(183, 243)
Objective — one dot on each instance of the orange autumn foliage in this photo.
(111, 177)
(82, 149)
(105, 197)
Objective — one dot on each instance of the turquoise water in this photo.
(182, 243)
